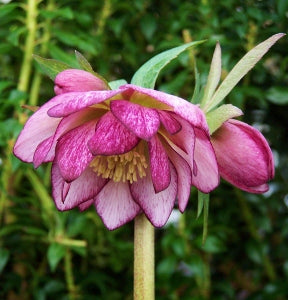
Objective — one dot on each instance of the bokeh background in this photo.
(45, 254)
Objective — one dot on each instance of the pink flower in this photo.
(126, 151)
(244, 156)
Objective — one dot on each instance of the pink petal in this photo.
(244, 156)
(72, 152)
(159, 165)
(85, 205)
(74, 80)
(46, 150)
(184, 178)
(78, 192)
(156, 206)
(142, 121)
(38, 128)
(181, 107)
(205, 173)
(75, 101)
(115, 205)
(111, 137)
(169, 122)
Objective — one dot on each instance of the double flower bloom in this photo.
(135, 150)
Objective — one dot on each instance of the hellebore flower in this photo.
(126, 151)
(244, 156)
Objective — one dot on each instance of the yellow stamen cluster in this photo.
(125, 167)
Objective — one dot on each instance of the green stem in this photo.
(69, 275)
(144, 285)
(31, 25)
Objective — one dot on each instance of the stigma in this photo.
(129, 166)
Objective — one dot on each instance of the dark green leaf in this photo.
(278, 95)
(55, 253)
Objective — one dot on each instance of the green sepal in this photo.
(221, 114)
(148, 73)
(50, 67)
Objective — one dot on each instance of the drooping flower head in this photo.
(243, 154)
(126, 151)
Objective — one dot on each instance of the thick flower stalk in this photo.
(126, 151)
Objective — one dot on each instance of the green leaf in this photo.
(213, 77)
(55, 253)
(114, 85)
(4, 257)
(148, 73)
(221, 114)
(51, 67)
(83, 62)
(240, 70)
(203, 203)
(85, 65)
(278, 95)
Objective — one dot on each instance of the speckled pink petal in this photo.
(72, 152)
(156, 206)
(181, 107)
(169, 122)
(46, 150)
(74, 80)
(184, 177)
(159, 165)
(76, 193)
(115, 204)
(205, 172)
(38, 128)
(244, 156)
(142, 121)
(111, 137)
(75, 101)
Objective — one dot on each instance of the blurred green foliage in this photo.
(45, 254)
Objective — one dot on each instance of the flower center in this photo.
(124, 167)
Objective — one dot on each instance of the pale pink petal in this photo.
(75, 101)
(181, 107)
(38, 128)
(169, 122)
(184, 178)
(142, 121)
(156, 206)
(46, 150)
(115, 204)
(41, 151)
(85, 205)
(111, 137)
(244, 156)
(79, 191)
(205, 172)
(72, 152)
(159, 165)
(74, 80)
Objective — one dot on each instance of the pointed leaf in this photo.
(114, 85)
(241, 69)
(206, 198)
(147, 74)
(221, 114)
(83, 62)
(55, 253)
(85, 65)
(213, 77)
(51, 67)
